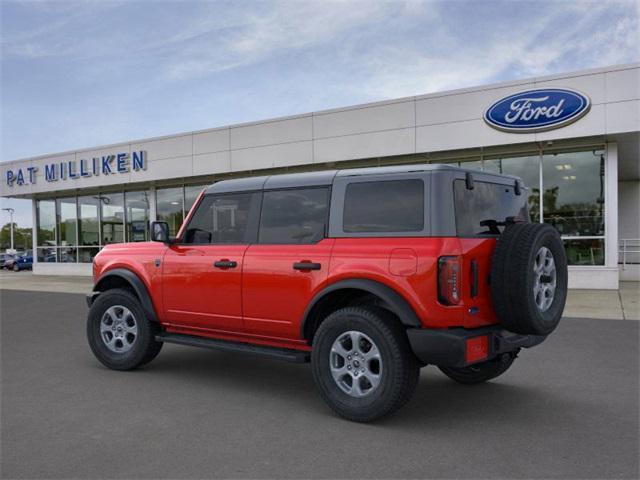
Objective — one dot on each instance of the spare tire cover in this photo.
(529, 278)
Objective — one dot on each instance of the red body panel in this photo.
(198, 294)
(274, 294)
(390, 261)
(140, 258)
(263, 299)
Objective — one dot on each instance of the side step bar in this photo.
(286, 354)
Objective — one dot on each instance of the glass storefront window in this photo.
(67, 254)
(112, 218)
(88, 221)
(169, 207)
(46, 254)
(86, 254)
(574, 192)
(137, 216)
(472, 165)
(191, 193)
(67, 212)
(585, 251)
(46, 218)
(527, 168)
(74, 230)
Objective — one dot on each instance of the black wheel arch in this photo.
(122, 277)
(389, 298)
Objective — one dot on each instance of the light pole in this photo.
(11, 212)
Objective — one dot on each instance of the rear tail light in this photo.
(449, 280)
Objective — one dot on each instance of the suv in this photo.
(369, 274)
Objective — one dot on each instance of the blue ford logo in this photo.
(537, 110)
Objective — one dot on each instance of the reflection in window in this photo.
(385, 206)
(472, 165)
(295, 216)
(527, 168)
(46, 254)
(169, 208)
(66, 221)
(574, 193)
(190, 196)
(137, 216)
(86, 254)
(46, 219)
(88, 223)
(585, 251)
(222, 219)
(67, 254)
(112, 218)
(477, 211)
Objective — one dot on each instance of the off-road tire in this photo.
(480, 372)
(512, 278)
(399, 376)
(144, 349)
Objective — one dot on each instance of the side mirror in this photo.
(160, 232)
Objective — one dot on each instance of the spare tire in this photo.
(529, 278)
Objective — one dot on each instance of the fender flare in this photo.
(396, 302)
(138, 287)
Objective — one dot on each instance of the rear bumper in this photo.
(459, 347)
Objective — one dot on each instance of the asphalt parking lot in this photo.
(567, 409)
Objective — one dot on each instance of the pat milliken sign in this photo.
(117, 163)
(537, 110)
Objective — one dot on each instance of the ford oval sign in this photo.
(537, 110)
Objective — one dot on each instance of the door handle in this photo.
(306, 266)
(225, 264)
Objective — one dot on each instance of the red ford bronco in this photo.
(369, 274)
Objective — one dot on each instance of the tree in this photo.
(22, 237)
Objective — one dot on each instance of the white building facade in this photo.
(582, 168)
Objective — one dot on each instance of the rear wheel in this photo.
(119, 332)
(480, 372)
(16, 268)
(362, 363)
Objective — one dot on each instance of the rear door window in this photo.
(478, 210)
(384, 206)
(294, 216)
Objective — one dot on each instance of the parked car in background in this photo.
(23, 262)
(6, 258)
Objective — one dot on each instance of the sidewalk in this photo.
(623, 304)
(26, 280)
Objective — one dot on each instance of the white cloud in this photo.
(285, 27)
(525, 48)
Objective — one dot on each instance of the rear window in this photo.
(386, 206)
(486, 202)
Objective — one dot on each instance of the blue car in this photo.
(23, 262)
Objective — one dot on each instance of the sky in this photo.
(86, 73)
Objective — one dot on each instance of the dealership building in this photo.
(573, 138)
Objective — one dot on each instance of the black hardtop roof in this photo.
(326, 177)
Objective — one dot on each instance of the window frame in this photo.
(325, 232)
(252, 221)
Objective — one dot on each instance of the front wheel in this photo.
(119, 332)
(480, 372)
(362, 363)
